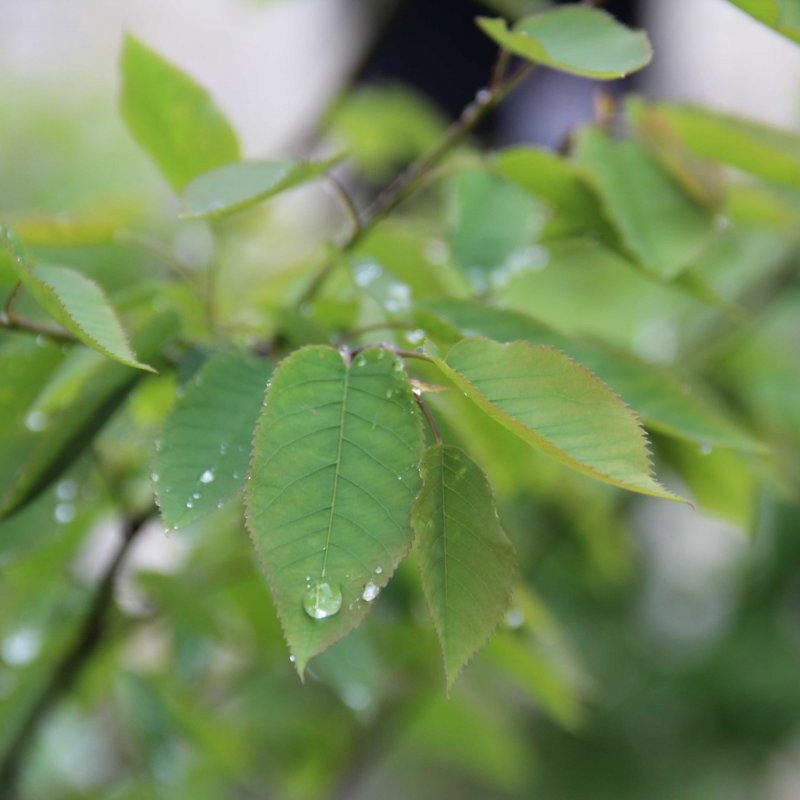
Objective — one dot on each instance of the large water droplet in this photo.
(207, 476)
(322, 599)
(370, 592)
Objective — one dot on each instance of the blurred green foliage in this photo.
(650, 649)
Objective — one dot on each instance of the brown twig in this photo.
(409, 180)
(14, 323)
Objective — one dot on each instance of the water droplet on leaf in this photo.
(64, 513)
(36, 421)
(370, 592)
(207, 476)
(322, 599)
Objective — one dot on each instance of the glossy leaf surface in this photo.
(575, 39)
(172, 118)
(204, 448)
(334, 474)
(465, 558)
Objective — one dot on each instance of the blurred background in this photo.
(661, 653)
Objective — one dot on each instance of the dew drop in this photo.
(416, 336)
(292, 659)
(189, 504)
(370, 592)
(66, 489)
(389, 393)
(64, 513)
(207, 476)
(378, 570)
(41, 340)
(36, 421)
(514, 618)
(155, 477)
(236, 476)
(21, 647)
(322, 599)
(705, 449)
(223, 448)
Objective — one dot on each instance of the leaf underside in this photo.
(334, 474)
(465, 558)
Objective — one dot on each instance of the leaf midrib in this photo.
(332, 512)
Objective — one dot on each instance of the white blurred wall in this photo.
(710, 52)
(270, 64)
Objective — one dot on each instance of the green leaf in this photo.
(493, 224)
(575, 39)
(750, 146)
(465, 557)
(640, 195)
(561, 184)
(74, 301)
(74, 400)
(780, 15)
(333, 478)
(171, 117)
(204, 448)
(663, 401)
(235, 187)
(553, 403)
(385, 126)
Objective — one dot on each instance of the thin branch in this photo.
(409, 180)
(389, 324)
(389, 348)
(14, 323)
(12, 296)
(69, 668)
(346, 201)
(437, 436)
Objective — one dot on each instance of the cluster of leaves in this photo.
(360, 403)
